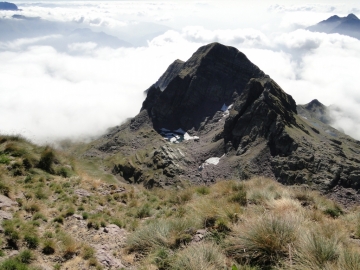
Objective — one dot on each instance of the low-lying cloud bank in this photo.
(77, 91)
(47, 95)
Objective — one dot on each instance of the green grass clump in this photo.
(162, 258)
(239, 197)
(48, 247)
(25, 256)
(143, 211)
(46, 160)
(64, 172)
(59, 219)
(32, 208)
(315, 250)
(12, 234)
(349, 260)
(14, 149)
(4, 159)
(158, 233)
(31, 241)
(204, 256)
(40, 216)
(334, 211)
(203, 190)
(13, 264)
(69, 212)
(263, 241)
(87, 252)
(4, 189)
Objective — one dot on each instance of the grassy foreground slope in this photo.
(57, 212)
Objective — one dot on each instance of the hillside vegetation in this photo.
(59, 212)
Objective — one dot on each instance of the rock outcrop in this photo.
(263, 110)
(244, 124)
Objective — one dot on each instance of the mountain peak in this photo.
(349, 25)
(214, 75)
(213, 52)
(333, 18)
(352, 16)
(314, 103)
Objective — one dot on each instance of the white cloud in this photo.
(47, 94)
(82, 47)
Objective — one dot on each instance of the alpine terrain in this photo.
(194, 181)
(218, 116)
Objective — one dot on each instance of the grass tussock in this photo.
(204, 256)
(263, 240)
(256, 224)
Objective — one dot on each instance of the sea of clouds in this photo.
(54, 87)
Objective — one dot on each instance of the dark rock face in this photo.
(349, 25)
(263, 110)
(8, 6)
(171, 72)
(213, 76)
(262, 134)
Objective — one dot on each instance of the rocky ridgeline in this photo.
(262, 133)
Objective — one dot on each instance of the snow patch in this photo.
(211, 161)
(226, 109)
(176, 136)
(188, 137)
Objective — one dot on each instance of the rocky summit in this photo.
(218, 116)
(215, 75)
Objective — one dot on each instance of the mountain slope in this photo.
(261, 134)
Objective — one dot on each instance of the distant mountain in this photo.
(8, 6)
(349, 25)
(316, 110)
(101, 38)
(58, 34)
(22, 17)
(218, 116)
